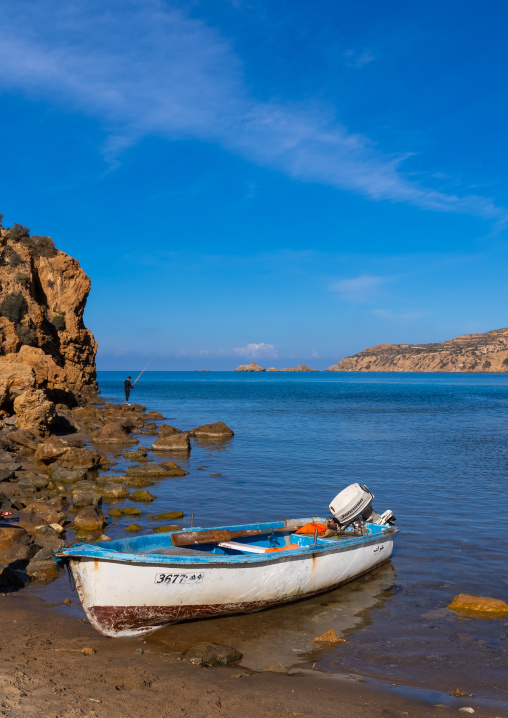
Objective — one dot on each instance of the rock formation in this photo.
(250, 367)
(47, 356)
(467, 353)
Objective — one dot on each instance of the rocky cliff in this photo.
(47, 356)
(468, 353)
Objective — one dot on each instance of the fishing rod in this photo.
(141, 373)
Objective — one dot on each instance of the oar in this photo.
(141, 373)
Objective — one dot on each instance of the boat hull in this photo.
(121, 598)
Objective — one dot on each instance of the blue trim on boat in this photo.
(138, 549)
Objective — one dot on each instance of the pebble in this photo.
(466, 709)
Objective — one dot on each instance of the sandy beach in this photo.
(57, 666)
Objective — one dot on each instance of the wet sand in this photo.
(44, 672)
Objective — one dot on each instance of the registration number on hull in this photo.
(178, 578)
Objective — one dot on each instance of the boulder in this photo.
(211, 654)
(60, 473)
(158, 471)
(76, 458)
(216, 430)
(14, 545)
(91, 518)
(113, 433)
(154, 416)
(34, 411)
(50, 450)
(142, 495)
(113, 491)
(167, 430)
(43, 563)
(85, 497)
(479, 604)
(25, 438)
(6, 475)
(173, 442)
(47, 537)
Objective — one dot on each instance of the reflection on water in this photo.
(285, 634)
(433, 448)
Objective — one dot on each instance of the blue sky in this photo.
(250, 180)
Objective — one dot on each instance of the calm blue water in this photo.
(433, 448)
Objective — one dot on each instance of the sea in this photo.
(433, 448)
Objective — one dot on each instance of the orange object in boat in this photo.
(310, 528)
(291, 547)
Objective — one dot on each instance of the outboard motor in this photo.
(353, 507)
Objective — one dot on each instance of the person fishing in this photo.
(127, 388)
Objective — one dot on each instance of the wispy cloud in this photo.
(360, 289)
(252, 351)
(358, 59)
(145, 68)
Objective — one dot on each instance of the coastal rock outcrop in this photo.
(173, 442)
(467, 353)
(217, 430)
(250, 367)
(47, 356)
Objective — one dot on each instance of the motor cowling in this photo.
(352, 504)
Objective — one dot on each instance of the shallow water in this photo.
(431, 447)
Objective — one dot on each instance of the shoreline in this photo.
(44, 672)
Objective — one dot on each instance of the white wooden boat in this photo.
(134, 586)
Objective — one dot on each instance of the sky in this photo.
(263, 180)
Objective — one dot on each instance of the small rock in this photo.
(115, 514)
(132, 528)
(211, 654)
(103, 537)
(67, 601)
(466, 709)
(130, 511)
(88, 651)
(329, 637)
(480, 604)
(168, 515)
(458, 693)
(215, 474)
(142, 495)
(275, 667)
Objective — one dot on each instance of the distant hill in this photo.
(468, 353)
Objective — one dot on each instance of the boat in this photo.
(132, 587)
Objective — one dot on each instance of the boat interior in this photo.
(231, 541)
